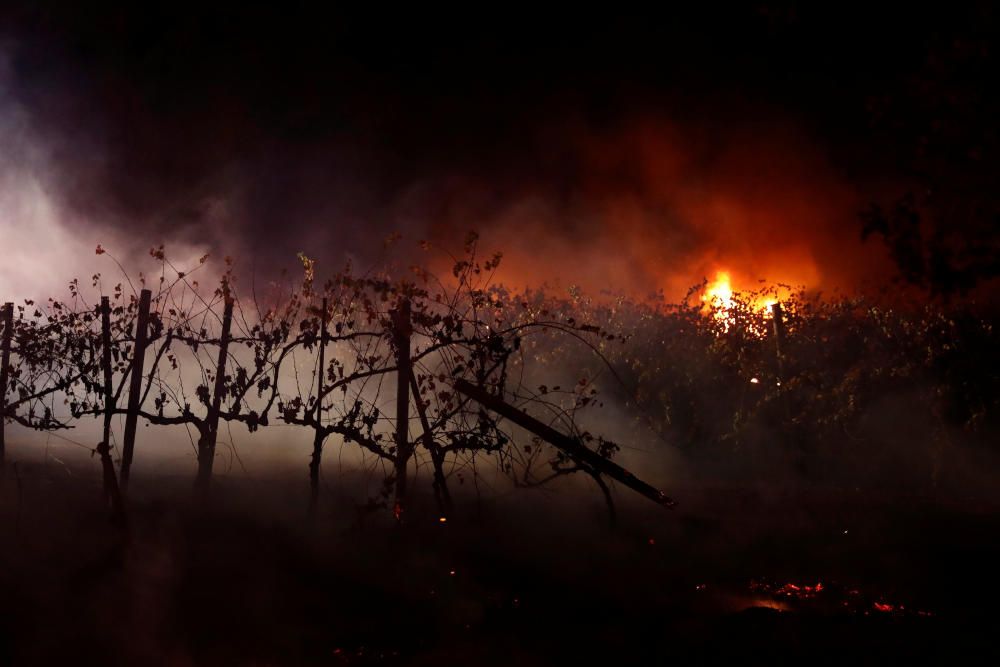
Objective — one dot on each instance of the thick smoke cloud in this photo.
(260, 136)
(655, 204)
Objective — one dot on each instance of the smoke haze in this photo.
(636, 167)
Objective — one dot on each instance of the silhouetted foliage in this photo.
(462, 327)
(704, 379)
(936, 123)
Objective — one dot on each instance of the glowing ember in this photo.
(830, 598)
(801, 592)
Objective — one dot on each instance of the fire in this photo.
(718, 297)
(719, 294)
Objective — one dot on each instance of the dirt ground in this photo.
(531, 578)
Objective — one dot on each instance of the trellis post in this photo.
(206, 444)
(7, 319)
(135, 384)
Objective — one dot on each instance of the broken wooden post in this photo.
(206, 443)
(318, 433)
(440, 484)
(112, 492)
(571, 446)
(402, 329)
(7, 321)
(135, 384)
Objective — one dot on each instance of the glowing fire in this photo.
(719, 293)
(718, 297)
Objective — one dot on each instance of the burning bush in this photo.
(843, 388)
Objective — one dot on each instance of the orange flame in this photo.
(718, 297)
(719, 294)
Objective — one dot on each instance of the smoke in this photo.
(36, 239)
(653, 204)
(647, 205)
(260, 159)
(47, 239)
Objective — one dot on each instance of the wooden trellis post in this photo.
(7, 320)
(779, 349)
(780, 339)
(135, 384)
(402, 330)
(206, 443)
(777, 317)
(319, 435)
(112, 492)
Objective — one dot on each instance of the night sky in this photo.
(636, 151)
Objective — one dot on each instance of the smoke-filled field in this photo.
(499, 335)
(494, 477)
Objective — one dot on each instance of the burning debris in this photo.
(829, 598)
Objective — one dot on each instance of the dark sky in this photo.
(714, 135)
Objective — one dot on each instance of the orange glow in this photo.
(719, 294)
(720, 298)
(654, 205)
